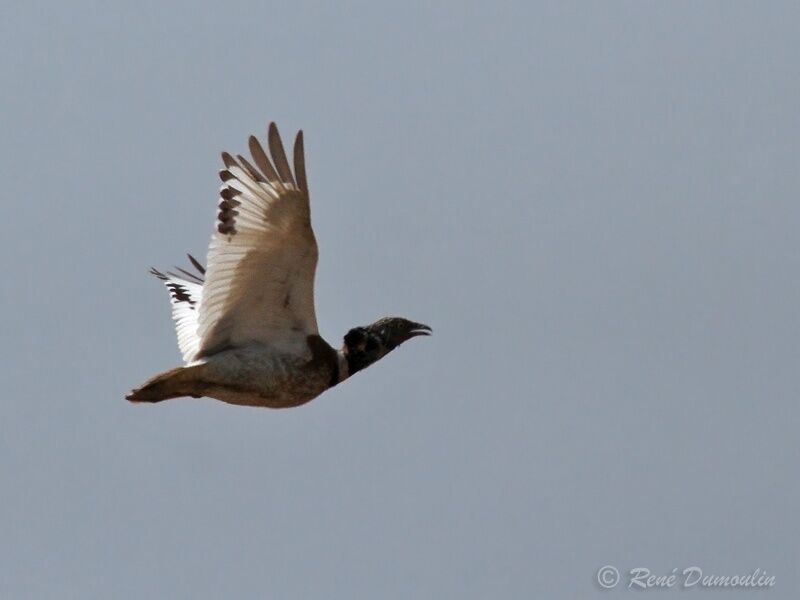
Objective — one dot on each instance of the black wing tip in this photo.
(276, 169)
(196, 264)
(192, 278)
(228, 160)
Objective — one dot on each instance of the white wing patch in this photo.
(259, 287)
(185, 294)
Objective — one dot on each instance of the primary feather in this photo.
(263, 255)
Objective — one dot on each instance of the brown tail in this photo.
(174, 383)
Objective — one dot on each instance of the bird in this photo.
(246, 322)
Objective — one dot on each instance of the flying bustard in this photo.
(246, 324)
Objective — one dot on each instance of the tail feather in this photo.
(175, 383)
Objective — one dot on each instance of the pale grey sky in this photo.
(595, 205)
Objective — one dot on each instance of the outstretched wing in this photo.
(259, 284)
(185, 294)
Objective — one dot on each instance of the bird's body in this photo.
(254, 375)
(246, 325)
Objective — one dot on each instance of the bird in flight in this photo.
(246, 323)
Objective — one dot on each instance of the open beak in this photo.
(401, 330)
(419, 329)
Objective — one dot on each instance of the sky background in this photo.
(595, 205)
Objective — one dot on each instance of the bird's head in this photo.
(366, 345)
